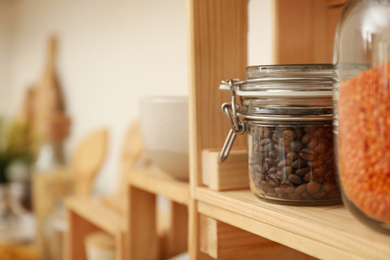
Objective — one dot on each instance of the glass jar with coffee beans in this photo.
(286, 112)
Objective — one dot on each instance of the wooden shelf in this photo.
(108, 221)
(325, 232)
(144, 240)
(155, 181)
(86, 216)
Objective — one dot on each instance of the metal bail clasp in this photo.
(237, 126)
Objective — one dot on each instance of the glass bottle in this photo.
(362, 110)
(53, 182)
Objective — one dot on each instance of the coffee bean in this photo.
(287, 187)
(319, 172)
(301, 188)
(287, 170)
(313, 143)
(275, 161)
(307, 177)
(265, 141)
(315, 163)
(281, 175)
(320, 132)
(299, 163)
(279, 148)
(294, 160)
(289, 135)
(295, 179)
(295, 196)
(266, 187)
(330, 176)
(328, 186)
(264, 132)
(278, 190)
(292, 155)
(275, 137)
(266, 167)
(286, 143)
(254, 130)
(306, 138)
(307, 154)
(321, 147)
(299, 132)
(272, 180)
(312, 187)
(272, 170)
(319, 195)
(326, 155)
(283, 163)
(262, 156)
(266, 148)
(273, 154)
(268, 160)
(302, 171)
(296, 146)
(330, 161)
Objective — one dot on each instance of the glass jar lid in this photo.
(286, 81)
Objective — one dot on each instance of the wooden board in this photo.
(142, 239)
(223, 241)
(333, 15)
(86, 216)
(301, 32)
(217, 36)
(218, 50)
(232, 174)
(329, 232)
(335, 3)
(94, 212)
(158, 182)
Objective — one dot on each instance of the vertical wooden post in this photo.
(177, 233)
(142, 238)
(218, 50)
(301, 32)
(80, 229)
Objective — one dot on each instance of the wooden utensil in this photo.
(87, 160)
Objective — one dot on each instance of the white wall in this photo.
(111, 54)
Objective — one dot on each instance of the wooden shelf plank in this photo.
(223, 241)
(156, 181)
(232, 174)
(325, 232)
(99, 215)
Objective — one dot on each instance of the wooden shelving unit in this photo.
(218, 33)
(137, 233)
(224, 219)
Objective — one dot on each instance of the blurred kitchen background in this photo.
(110, 54)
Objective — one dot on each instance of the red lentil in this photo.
(364, 141)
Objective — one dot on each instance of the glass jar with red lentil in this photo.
(362, 110)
